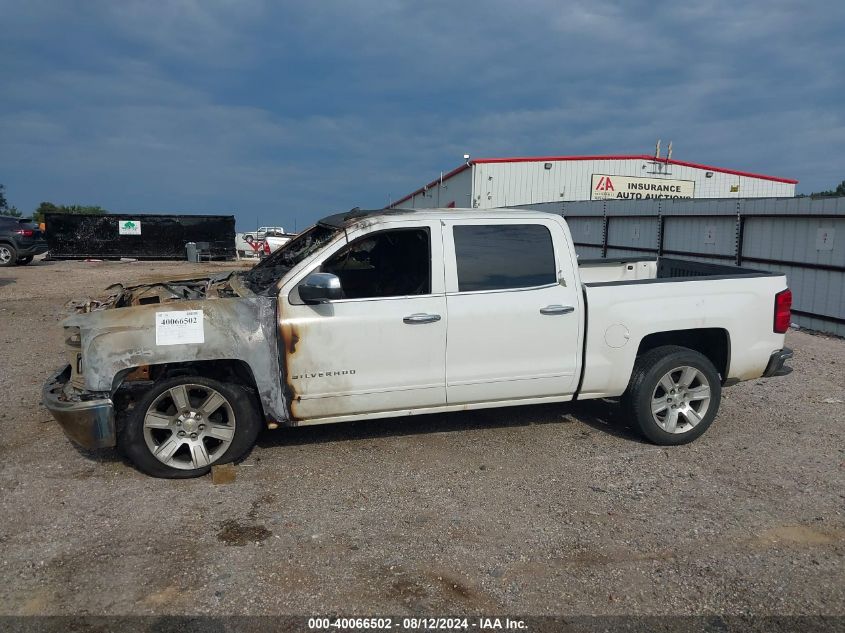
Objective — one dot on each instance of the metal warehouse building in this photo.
(506, 182)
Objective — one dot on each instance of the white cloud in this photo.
(269, 108)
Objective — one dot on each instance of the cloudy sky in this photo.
(280, 112)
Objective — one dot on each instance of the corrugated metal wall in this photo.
(529, 182)
(489, 185)
(801, 237)
(455, 191)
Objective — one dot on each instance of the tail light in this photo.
(25, 232)
(783, 311)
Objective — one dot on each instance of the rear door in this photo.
(514, 311)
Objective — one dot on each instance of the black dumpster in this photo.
(138, 236)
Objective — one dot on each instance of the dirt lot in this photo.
(538, 510)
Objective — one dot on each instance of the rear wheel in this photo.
(8, 255)
(674, 394)
(185, 424)
(23, 261)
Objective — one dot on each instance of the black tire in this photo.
(8, 255)
(23, 261)
(247, 424)
(649, 369)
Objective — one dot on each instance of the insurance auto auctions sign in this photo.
(607, 187)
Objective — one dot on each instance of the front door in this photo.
(383, 346)
(514, 311)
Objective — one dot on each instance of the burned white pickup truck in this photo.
(395, 313)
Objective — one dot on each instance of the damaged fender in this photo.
(240, 328)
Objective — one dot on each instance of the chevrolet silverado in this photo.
(371, 314)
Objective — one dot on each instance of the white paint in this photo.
(495, 348)
(397, 365)
(614, 187)
(499, 342)
(616, 335)
(180, 327)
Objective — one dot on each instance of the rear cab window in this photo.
(496, 256)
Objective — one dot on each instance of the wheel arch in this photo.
(142, 377)
(713, 343)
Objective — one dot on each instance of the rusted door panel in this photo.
(362, 357)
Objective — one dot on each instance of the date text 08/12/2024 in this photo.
(412, 623)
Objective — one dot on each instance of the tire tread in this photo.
(643, 366)
(131, 439)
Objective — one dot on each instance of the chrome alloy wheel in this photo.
(680, 400)
(189, 426)
(5, 254)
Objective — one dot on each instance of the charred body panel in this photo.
(161, 291)
(116, 342)
(89, 422)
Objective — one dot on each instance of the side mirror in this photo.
(320, 288)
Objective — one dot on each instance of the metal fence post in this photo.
(661, 220)
(604, 226)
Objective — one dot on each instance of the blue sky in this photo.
(282, 112)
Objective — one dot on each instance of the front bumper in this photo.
(86, 418)
(776, 365)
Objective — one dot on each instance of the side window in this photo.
(384, 264)
(502, 256)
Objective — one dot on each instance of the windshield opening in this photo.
(268, 272)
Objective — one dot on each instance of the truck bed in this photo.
(628, 300)
(621, 271)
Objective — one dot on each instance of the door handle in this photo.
(557, 309)
(421, 317)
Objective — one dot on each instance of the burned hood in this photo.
(152, 291)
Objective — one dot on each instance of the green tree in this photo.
(833, 193)
(75, 209)
(5, 209)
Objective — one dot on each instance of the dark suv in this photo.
(20, 241)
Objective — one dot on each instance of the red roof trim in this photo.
(537, 159)
(436, 181)
(546, 159)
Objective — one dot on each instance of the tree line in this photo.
(79, 209)
(831, 193)
(47, 207)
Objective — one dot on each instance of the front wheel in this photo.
(674, 394)
(183, 425)
(8, 255)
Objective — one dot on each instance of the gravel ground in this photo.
(556, 509)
